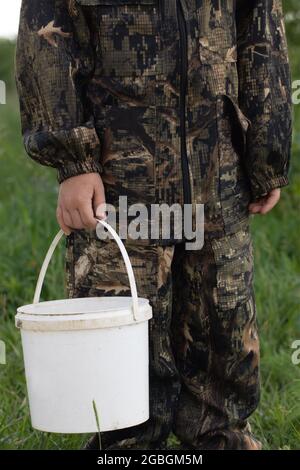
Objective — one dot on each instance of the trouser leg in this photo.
(215, 342)
(96, 268)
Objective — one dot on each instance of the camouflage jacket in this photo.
(171, 101)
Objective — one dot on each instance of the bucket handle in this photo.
(124, 253)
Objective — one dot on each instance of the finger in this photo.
(87, 216)
(101, 211)
(270, 203)
(76, 219)
(99, 203)
(61, 223)
(67, 217)
(255, 207)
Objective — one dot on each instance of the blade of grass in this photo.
(98, 423)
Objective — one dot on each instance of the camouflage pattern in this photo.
(204, 347)
(101, 88)
(99, 85)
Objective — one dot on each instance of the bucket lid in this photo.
(81, 313)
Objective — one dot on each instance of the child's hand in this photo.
(78, 202)
(266, 203)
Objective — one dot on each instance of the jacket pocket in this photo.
(127, 35)
(239, 123)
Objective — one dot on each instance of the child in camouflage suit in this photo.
(166, 101)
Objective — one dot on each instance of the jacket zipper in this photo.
(183, 85)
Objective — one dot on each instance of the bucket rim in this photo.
(25, 309)
(109, 317)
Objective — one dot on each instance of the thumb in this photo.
(99, 204)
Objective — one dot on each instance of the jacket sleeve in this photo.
(265, 92)
(53, 63)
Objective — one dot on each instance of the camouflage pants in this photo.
(204, 347)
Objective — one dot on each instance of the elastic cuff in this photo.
(273, 183)
(70, 169)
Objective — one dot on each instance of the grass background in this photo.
(28, 196)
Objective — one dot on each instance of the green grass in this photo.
(28, 195)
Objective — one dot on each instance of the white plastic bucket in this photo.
(86, 354)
